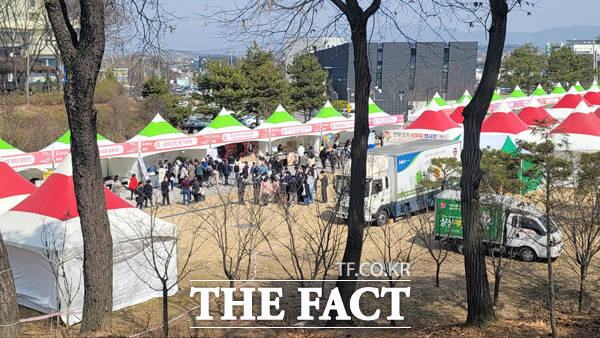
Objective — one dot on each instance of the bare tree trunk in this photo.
(437, 274)
(9, 310)
(165, 308)
(497, 278)
(582, 279)
(480, 308)
(82, 56)
(356, 216)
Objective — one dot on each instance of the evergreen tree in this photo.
(308, 84)
(565, 66)
(155, 86)
(223, 85)
(525, 67)
(267, 82)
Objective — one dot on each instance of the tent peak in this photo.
(158, 118)
(533, 102)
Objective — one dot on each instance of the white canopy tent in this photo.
(43, 234)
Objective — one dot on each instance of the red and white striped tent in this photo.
(565, 106)
(503, 121)
(457, 115)
(534, 114)
(581, 129)
(44, 231)
(435, 122)
(14, 188)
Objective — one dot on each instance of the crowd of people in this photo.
(291, 178)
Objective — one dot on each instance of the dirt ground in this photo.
(429, 311)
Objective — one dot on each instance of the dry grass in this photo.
(430, 311)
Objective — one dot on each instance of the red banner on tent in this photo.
(239, 136)
(175, 143)
(29, 159)
(295, 130)
(385, 120)
(118, 149)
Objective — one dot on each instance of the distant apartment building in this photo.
(403, 73)
(25, 31)
(293, 47)
(582, 46)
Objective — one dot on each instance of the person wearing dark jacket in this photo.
(241, 185)
(164, 189)
(185, 190)
(256, 182)
(147, 193)
(226, 172)
(196, 190)
(139, 195)
(324, 183)
(323, 156)
(200, 173)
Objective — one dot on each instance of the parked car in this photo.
(194, 124)
(249, 121)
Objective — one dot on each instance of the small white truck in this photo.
(509, 226)
(393, 174)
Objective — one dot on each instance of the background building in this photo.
(294, 47)
(403, 73)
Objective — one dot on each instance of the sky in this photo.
(195, 33)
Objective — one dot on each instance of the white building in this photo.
(308, 45)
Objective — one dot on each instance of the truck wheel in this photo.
(527, 254)
(381, 218)
(459, 247)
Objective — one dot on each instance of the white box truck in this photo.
(509, 226)
(393, 174)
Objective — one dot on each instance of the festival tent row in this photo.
(281, 118)
(534, 114)
(42, 233)
(580, 130)
(566, 104)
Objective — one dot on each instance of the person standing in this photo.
(333, 159)
(196, 189)
(324, 184)
(266, 190)
(133, 184)
(241, 185)
(310, 193)
(226, 172)
(200, 173)
(148, 193)
(323, 157)
(256, 182)
(185, 190)
(164, 189)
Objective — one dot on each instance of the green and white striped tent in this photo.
(157, 129)
(279, 118)
(539, 92)
(558, 90)
(8, 150)
(375, 111)
(224, 122)
(579, 87)
(496, 97)
(466, 95)
(594, 86)
(64, 142)
(327, 114)
(439, 100)
(517, 93)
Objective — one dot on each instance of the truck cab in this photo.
(527, 233)
(509, 225)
